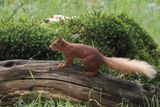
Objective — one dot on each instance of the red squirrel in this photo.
(93, 59)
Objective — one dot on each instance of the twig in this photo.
(15, 11)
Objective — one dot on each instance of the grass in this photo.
(39, 101)
(145, 12)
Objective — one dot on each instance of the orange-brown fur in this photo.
(93, 59)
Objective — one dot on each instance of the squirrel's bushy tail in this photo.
(127, 65)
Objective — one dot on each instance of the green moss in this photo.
(24, 40)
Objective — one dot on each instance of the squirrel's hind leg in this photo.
(92, 64)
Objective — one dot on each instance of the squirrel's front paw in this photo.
(61, 65)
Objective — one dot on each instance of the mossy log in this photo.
(21, 77)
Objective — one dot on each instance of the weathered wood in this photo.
(69, 83)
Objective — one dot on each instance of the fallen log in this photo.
(21, 77)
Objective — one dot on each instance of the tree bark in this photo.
(21, 77)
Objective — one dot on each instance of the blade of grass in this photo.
(30, 71)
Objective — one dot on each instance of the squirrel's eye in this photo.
(54, 44)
